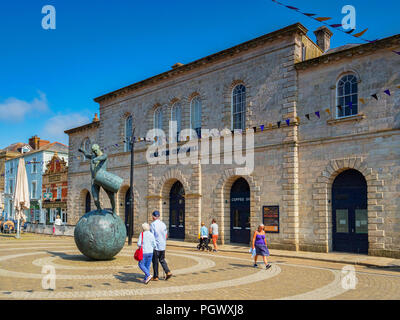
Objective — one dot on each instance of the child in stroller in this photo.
(204, 239)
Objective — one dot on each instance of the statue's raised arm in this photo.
(87, 155)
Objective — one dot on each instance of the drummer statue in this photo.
(101, 178)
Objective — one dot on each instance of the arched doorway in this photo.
(88, 202)
(177, 211)
(127, 209)
(240, 211)
(349, 212)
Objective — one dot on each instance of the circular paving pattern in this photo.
(196, 276)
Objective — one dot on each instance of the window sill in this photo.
(354, 118)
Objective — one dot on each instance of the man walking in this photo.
(159, 230)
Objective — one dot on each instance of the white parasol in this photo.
(21, 195)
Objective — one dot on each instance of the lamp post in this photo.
(130, 219)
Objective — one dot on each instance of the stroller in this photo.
(203, 245)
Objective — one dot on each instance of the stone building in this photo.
(326, 165)
(55, 190)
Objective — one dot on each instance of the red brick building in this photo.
(55, 190)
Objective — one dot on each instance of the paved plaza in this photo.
(197, 275)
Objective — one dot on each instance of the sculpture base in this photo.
(100, 235)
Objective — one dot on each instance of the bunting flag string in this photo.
(323, 21)
(317, 113)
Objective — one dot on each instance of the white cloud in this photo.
(15, 110)
(54, 127)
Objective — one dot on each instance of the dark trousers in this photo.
(159, 256)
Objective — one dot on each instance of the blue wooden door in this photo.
(349, 213)
(240, 211)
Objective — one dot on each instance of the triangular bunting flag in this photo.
(293, 8)
(298, 120)
(352, 30)
(387, 92)
(360, 33)
(288, 122)
(336, 25)
(374, 96)
(398, 52)
(328, 111)
(279, 124)
(317, 114)
(321, 19)
(362, 100)
(309, 14)
(262, 127)
(308, 116)
(398, 87)
(270, 125)
(340, 107)
(255, 129)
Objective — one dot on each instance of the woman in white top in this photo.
(57, 223)
(148, 242)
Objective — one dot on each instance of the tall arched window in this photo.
(239, 107)
(128, 133)
(176, 115)
(195, 115)
(158, 120)
(347, 96)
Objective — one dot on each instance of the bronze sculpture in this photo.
(101, 177)
(98, 234)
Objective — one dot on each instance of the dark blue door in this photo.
(349, 212)
(87, 202)
(177, 211)
(240, 212)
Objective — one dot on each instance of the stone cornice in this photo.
(228, 53)
(349, 52)
(91, 125)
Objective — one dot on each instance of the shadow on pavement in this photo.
(75, 257)
(131, 277)
(386, 268)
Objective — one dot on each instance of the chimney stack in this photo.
(323, 35)
(34, 142)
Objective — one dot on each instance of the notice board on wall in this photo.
(271, 219)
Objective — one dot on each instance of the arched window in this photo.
(86, 147)
(158, 120)
(176, 115)
(347, 96)
(195, 115)
(128, 133)
(239, 107)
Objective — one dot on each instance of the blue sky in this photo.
(50, 77)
